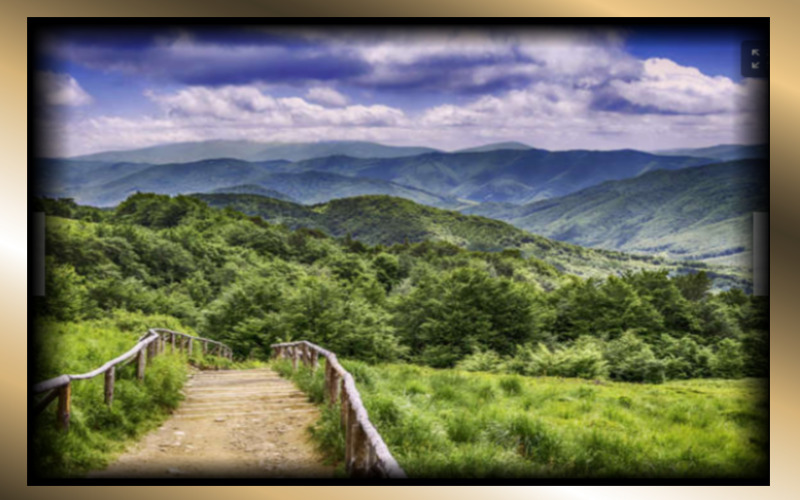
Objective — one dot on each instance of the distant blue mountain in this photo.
(186, 152)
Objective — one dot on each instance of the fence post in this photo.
(334, 386)
(189, 350)
(345, 412)
(172, 341)
(295, 354)
(314, 360)
(108, 389)
(64, 402)
(359, 456)
(205, 347)
(141, 361)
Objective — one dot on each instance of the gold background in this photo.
(785, 226)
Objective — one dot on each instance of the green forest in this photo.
(431, 304)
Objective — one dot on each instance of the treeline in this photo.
(250, 283)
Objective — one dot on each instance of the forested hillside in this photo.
(386, 220)
(250, 283)
(457, 180)
(507, 175)
(694, 213)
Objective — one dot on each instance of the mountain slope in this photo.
(175, 178)
(511, 176)
(64, 178)
(722, 152)
(695, 213)
(186, 152)
(253, 189)
(208, 175)
(495, 147)
(386, 220)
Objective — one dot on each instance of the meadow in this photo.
(98, 433)
(446, 423)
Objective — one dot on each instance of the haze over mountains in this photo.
(702, 213)
(185, 152)
(684, 203)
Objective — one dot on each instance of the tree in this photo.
(728, 361)
(631, 359)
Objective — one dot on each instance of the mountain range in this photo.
(521, 175)
(699, 213)
(185, 152)
(387, 221)
(687, 203)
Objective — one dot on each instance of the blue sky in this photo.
(593, 89)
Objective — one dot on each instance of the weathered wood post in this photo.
(345, 414)
(189, 348)
(108, 388)
(64, 403)
(205, 347)
(295, 355)
(359, 455)
(151, 349)
(314, 360)
(333, 396)
(141, 361)
(172, 341)
(357, 446)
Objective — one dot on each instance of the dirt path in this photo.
(233, 423)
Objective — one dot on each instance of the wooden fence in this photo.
(154, 342)
(365, 452)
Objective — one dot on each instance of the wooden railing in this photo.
(365, 452)
(149, 345)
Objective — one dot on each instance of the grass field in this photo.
(448, 423)
(98, 433)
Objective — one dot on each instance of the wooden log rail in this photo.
(366, 455)
(149, 345)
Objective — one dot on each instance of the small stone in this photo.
(180, 433)
(219, 419)
(173, 470)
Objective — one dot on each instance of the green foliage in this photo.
(250, 283)
(631, 359)
(441, 424)
(583, 359)
(482, 361)
(729, 360)
(98, 432)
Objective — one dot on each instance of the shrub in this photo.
(482, 361)
(631, 359)
(728, 361)
(584, 359)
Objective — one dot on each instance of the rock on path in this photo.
(232, 423)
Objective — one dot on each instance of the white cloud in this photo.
(61, 89)
(668, 86)
(248, 105)
(326, 96)
(597, 100)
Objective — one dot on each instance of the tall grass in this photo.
(97, 433)
(448, 423)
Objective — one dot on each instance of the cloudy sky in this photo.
(450, 88)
